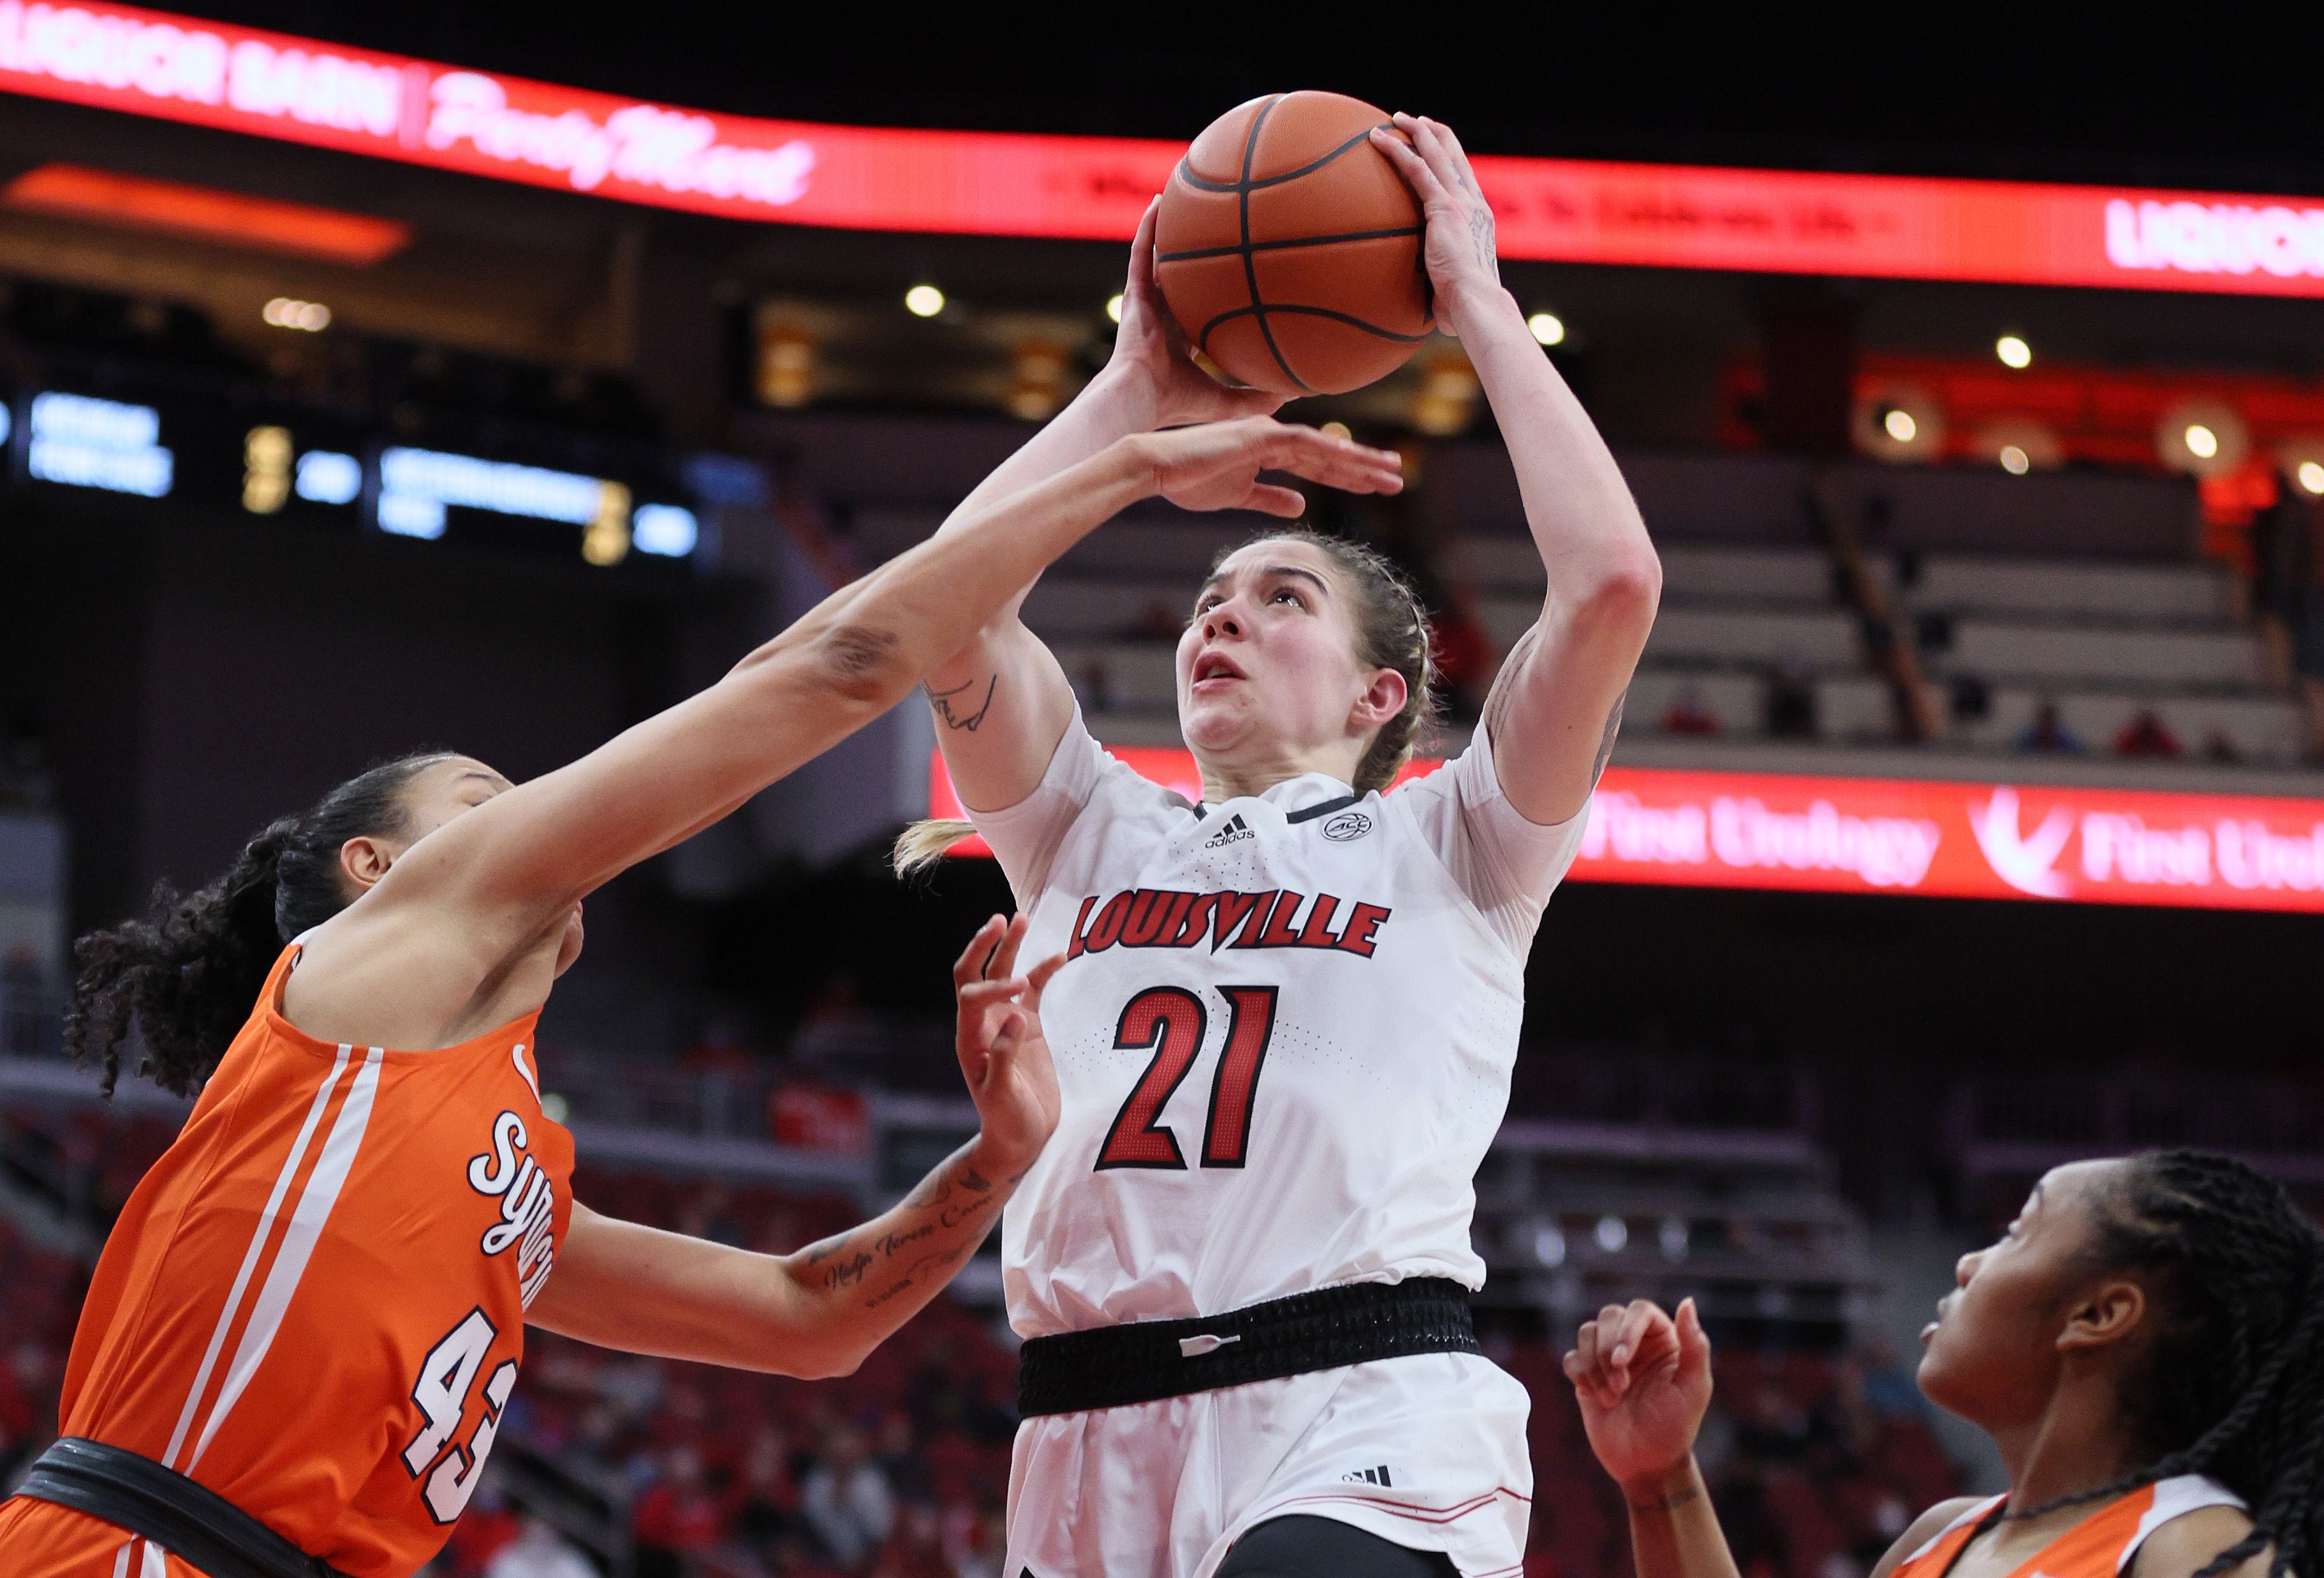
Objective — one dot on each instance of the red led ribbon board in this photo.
(1908, 836)
(293, 89)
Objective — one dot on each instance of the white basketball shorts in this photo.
(1427, 1450)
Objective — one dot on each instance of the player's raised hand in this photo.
(1149, 350)
(1003, 1054)
(1644, 1381)
(1460, 247)
(1215, 466)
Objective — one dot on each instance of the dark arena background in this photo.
(1967, 818)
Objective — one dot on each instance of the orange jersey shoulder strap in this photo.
(2100, 1545)
(1933, 1559)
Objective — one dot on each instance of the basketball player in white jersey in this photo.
(1286, 1024)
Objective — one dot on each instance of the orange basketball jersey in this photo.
(314, 1303)
(2100, 1545)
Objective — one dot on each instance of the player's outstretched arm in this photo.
(818, 1312)
(1555, 708)
(488, 887)
(1002, 703)
(1643, 1378)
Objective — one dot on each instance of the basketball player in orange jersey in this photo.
(306, 1326)
(2146, 1345)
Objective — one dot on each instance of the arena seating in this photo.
(2076, 591)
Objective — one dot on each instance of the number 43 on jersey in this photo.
(1173, 1022)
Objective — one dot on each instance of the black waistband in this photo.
(1114, 1366)
(187, 1521)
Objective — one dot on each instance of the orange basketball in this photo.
(1288, 247)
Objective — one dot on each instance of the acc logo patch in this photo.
(1347, 825)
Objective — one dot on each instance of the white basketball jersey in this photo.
(1283, 1035)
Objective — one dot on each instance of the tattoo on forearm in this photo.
(942, 701)
(1606, 742)
(953, 1198)
(1670, 1503)
(846, 1272)
(940, 1263)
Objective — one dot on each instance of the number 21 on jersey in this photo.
(1172, 1021)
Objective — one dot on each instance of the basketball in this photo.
(1289, 249)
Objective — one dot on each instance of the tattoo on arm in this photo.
(1606, 742)
(1497, 704)
(942, 701)
(1676, 1498)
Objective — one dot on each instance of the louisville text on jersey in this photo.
(1280, 918)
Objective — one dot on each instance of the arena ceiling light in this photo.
(284, 312)
(105, 196)
(2202, 437)
(2301, 461)
(78, 441)
(1548, 329)
(1900, 422)
(1113, 308)
(417, 486)
(924, 302)
(2014, 352)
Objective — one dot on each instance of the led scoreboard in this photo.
(307, 465)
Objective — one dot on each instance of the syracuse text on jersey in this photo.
(1167, 917)
(528, 1197)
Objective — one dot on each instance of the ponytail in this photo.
(924, 844)
(189, 973)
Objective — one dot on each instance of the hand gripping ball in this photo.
(1289, 249)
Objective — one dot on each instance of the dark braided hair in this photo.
(189, 974)
(2234, 1385)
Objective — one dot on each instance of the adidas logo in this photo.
(1378, 1476)
(1234, 832)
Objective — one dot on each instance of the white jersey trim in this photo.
(2175, 1498)
(315, 1203)
(250, 1260)
(1977, 1510)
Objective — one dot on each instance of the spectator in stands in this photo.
(1466, 660)
(2146, 737)
(487, 1526)
(898, 1457)
(1093, 685)
(2308, 660)
(836, 1030)
(975, 1540)
(1883, 1384)
(721, 1050)
(677, 1517)
(1791, 699)
(2283, 555)
(27, 780)
(917, 1549)
(538, 1551)
(847, 1500)
(767, 1499)
(1689, 714)
(2047, 734)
